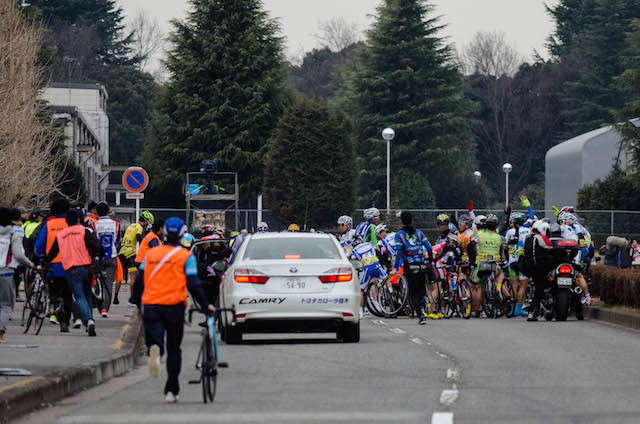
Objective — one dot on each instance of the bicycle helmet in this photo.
(371, 213)
(187, 240)
(492, 222)
(293, 228)
(207, 230)
(481, 220)
(345, 220)
(175, 226)
(356, 241)
(568, 209)
(465, 220)
(263, 227)
(542, 227)
(443, 218)
(148, 216)
(517, 218)
(380, 228)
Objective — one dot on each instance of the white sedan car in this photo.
(290, 282)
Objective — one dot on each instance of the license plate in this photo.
(564, 281)
(294, 284)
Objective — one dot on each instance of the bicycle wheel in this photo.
(509, 300)
(371, 299)
(393, 302)
(487, 298)
(205, 368)
(464, 299)
(448, 297)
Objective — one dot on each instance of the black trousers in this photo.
(540, 283)
(169, 319)
(417, 289)
(62, 299)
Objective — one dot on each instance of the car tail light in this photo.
(289, 257)
(241, 315)
(249, 276)
(565, 269)
(347, 314)
(338, 275)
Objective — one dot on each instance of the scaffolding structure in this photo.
(203, 187)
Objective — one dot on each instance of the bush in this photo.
(616, 286)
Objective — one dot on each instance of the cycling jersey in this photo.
(130, 240)
(366, 231)
(489, 244)
(388, 245)
(366, 253)
(410, 245)
(107, 231)
(346, 240)
(464, 238)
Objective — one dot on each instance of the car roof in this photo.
(260, 236)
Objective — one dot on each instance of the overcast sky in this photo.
(525, 22)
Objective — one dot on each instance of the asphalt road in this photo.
(476, 371)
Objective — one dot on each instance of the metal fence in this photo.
(601, 222)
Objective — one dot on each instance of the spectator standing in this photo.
(635, 254)
(11, 255)
(92, 215)
(76, 245)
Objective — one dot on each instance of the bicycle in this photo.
(494, 302)
(384, 303)
(207, 360)
(36, 301)
(456, 293)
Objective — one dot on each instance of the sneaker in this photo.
(586, 300)
(64, 328)
(53, 319)
(440, 315)
(532, 317)
(91, 327)
(422, 321)
(116, 301)
(77, 323)
(154, 361)
(579, 315)
(104, 313)
(433, 316)
(170, 398)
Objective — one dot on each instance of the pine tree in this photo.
(629, 81)
(404, 78)
(225, 95)
(310, 167)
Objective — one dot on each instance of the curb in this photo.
(37, 392)
(626, 319)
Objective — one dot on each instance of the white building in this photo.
(82, 109)
(579, 161)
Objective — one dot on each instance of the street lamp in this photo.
(388, 134)
(507, 168)
(477, 176)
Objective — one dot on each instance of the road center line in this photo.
(397, 331)
(442, 418)
(449, 396)
(416, 340)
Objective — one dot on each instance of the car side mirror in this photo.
(220, 266)
(356, 264)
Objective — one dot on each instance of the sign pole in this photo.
(137, 210)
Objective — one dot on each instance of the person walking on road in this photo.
(132, 236)
(107, 232)
(11, 255)
(60, 293)
(151, 240)
(160, 292)
(76, 245)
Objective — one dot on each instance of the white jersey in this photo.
(568, 233)
(512, 244)
(107, 233)
(346, 240)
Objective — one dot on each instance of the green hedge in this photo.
(616, 286)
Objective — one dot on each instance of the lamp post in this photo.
(507, 168)
(477, 176)
(388, 134)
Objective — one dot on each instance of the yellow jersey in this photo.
(130, 240)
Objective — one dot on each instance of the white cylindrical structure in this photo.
(507, 168)
(388, 134)
(259, 210)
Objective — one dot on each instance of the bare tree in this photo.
(30, 170)
(338, 34)
(490, 54)
(148, 38)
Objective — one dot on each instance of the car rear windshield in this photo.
(292, 248)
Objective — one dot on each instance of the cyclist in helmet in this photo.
(466, 228)
(346, 233)
(263, 227)
(367, 229)
(293, 228)
(133, 235)
(365, 252)
(443, 221)
(485, 250)
(387, 245)
(571, 229)
(187, 240)
(481, 222)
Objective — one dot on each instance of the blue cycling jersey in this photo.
(410, 247)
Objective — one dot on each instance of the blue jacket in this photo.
(41, 248)
(410, 248)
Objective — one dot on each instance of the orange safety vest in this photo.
(91, 219)
(73, 250)
(165, 282)
(54, 227)
(144, 246)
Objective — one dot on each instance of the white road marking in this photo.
(416, 340)
(442, 418)
(383, 323)
(453, 373)
(379, 322)
(448, 397)
(397, 331)
(442, 355)
(247, 417)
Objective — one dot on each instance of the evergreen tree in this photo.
(310, 169)
(629, 81)
(404, 78)
(131, 100)
(225, 95)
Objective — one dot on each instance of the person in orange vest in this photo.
(60, 294)
(160, 292)
(151, 240)
(92, 216)
(76, 246)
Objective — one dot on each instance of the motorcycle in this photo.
(562, 294)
